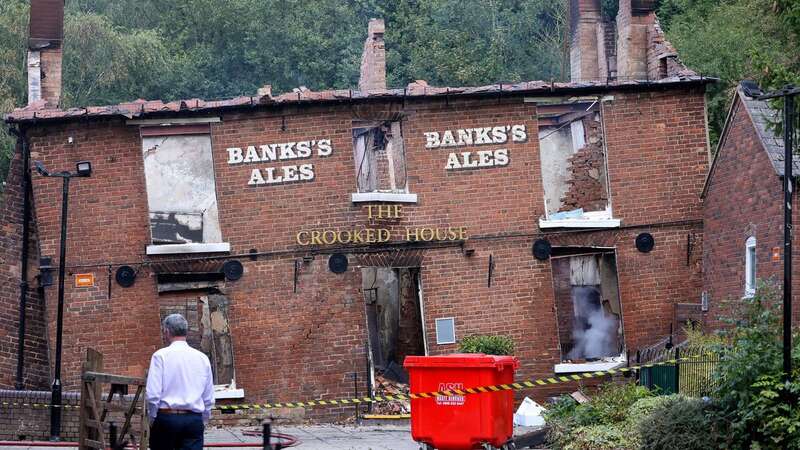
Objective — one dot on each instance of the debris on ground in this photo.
(385, 386)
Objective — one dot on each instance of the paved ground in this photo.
(314, 437)
(332, 437)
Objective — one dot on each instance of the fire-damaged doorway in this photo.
(394, 314)
(588, 306)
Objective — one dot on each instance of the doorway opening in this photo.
(588, 307)
(394, 313)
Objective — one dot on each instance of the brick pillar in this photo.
(585, 53)
(632, 41)
(373, 59)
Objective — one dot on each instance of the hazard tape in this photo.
(516, 386)
(38, 405)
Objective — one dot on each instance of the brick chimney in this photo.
(586, 53)
(373, 60)
(45, 36)
(634, 19)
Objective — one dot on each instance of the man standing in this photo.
(180, 391)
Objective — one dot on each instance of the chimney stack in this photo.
(45, 36)
(586, 51)
(373, 59)
(634, 19)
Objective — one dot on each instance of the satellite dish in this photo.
(542, 249)
(126, 276)
(233, 270)
(337, 263)
(645, 242)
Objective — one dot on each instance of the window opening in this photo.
(181, 194)
(588, 307)
(209, 332)
(394, 323)
(379, 157)
(573, 161)
(750, 267)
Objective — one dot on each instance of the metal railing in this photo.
(693, 374)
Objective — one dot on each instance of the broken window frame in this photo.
(209, 244)
(605, 363)
(386, 136)
(587, 219)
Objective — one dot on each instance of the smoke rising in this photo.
(594, 331)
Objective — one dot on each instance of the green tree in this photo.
(734, 40)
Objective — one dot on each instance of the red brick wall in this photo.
(36, 372)
(306, 344)
(744, 198)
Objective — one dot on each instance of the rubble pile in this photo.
(385, 386)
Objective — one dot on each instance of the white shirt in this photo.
(180, 378)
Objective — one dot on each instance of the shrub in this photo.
(751, 395)
(490, 345)
(677, 422)
(602, 437)
(600, 423)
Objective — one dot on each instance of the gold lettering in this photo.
(408, 234)
(299, 241)
(369, 211)
(325, 235)
(315, 238)
(339, 235)
(383, 235)
(441, 237)
(451, 234)
(462, 233)
(430, 236)
(398, 211)
(370, 236)
(384, 211)
(358, 236)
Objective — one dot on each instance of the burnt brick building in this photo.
(310, 235)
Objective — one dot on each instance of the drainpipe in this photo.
(22, 142)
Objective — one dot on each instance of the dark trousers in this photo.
(177, 432)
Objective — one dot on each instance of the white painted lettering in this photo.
(269, 152)
(452, 162)
(447, 139)
(290, 174)
(287, 151)
(464, 137)
(234, 155)
(324, 147)
(518, 133)
(432, 139)
(256, 178)
(485, 158)
(482, 136)
(251, 155)
(501, 157)
(304, 149)
(467, 162)
(499, 135)
(306, 172)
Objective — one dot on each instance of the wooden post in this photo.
(90, 428)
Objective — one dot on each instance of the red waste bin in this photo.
(461, 422)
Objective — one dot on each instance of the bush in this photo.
(600, 423)
(677, 422)
(751, 395)
(602, 437)
(490, 345)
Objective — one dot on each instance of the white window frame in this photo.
(750, 264)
